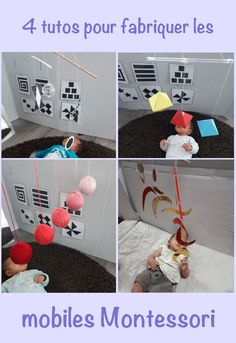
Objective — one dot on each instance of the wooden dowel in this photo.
(76, 65)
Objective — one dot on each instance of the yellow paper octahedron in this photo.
(160, 102)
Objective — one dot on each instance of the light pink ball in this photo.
(88, 185)
(75, 201)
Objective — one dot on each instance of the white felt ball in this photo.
(48, 90)
(87, 185)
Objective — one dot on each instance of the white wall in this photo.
(99, 212)
(7, 95)
(98, 100)
(207, 83)
(209, 192)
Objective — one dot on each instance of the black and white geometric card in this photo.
(29, 105)
(71, 90)
(70, 111)
(27, 216)
(74, 229)
(23, 84)
(181, 74)
(47, 108)
(182, 96)
(44, 218)
(63, 204)
(20, 193)
(128, 94)
(148, 91)
(122, 78)
(145, 72)
(41, 82)
(40, 198)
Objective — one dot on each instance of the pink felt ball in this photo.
(75, 201)
(60, 217)
(44, 234)
(21, 253)
(88, 185)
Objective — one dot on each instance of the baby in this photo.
(22, 280)
(180, 145)
(166, 267)
(60, 151)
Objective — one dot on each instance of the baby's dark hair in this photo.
(191, 126)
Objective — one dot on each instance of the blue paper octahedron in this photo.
(207, 127)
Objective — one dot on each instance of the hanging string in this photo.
(182, 103)
(37, 183)
(178, 191)
(221, 90)
(89, 167)
(48, 76)
(57, 181)
(77, 77)
(76, 175)
(58, 83)
(9, 211)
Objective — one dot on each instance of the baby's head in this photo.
(181, 131)
(76, 147)
(10, 268)
(173, 244)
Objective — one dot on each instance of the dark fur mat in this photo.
(69, 270)
(24, 150)
(141, 137)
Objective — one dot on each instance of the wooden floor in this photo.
(25, 131)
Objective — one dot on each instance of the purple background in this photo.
(13, 38)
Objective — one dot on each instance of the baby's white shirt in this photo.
(174, 147)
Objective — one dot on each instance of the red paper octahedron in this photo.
(181, 119)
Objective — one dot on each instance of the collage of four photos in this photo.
(117, 172)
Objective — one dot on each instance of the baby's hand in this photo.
(153, 265)
(163, 143)
(184, 265)
(187, 147)
(39, 278)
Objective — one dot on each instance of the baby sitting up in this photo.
(165, 268)
(60, 151)
(22, 280)
(180, 145)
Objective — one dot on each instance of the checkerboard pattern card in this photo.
(47, 108)
(44, 218)
(149, 91)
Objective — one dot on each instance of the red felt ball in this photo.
(75, 201)
(21, 253)
(60, 217)
(44, 234)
